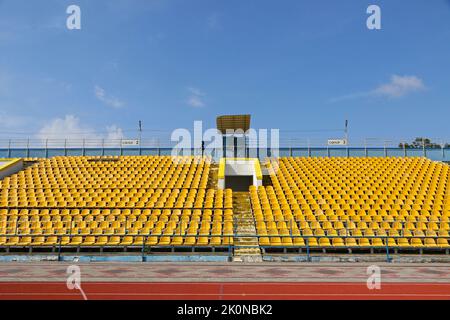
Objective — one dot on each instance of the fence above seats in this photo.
(46, 148)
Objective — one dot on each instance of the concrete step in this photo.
(247, 239)
(213, 176)
(246, 248)
(248, 258)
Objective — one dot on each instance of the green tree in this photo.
(420, 142)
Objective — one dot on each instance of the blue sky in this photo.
(291, 64)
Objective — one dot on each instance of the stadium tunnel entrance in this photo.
(238, 183)
(239, 174)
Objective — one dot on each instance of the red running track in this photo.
(223, 290)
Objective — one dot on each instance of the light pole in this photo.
(140, 131)
(346, 131)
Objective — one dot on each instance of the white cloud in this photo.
(196, 102)
(196, 98)
(398, 86)
(70, 127)
(114, 132)
(108, 100)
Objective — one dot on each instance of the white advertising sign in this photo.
(337, 142)
(130, 142)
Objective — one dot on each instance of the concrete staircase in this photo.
(246, 248)
(213, 176)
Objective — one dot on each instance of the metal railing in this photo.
(284, 140)
(44, 148)
(385, 243)
(432, 154)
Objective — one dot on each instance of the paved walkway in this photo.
(224, 272)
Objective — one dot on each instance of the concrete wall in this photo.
(14, 167)
(115, 258)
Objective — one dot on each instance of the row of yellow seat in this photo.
(354, 232)
(117, 227)
(24, 220)
(44, 215)
(114, 241)
(353, 221)
(123, 172)
(140, 198)
(356, 197)
(338, 225)
(337, 242)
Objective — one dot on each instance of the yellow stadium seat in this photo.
(127, 241)
(64, 240)
(215, 241)
(189, 241)
(138, 241)
(364, 242)
(101, 240)
(114, 241)
(88, 241)
(76, 241)
(324, 242)
(338, 242)
(430, 242)
(350, 242)
(416, 242)
(443, 243)
(403, 242)
(51, 241)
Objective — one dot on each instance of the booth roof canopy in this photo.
(233, 122)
